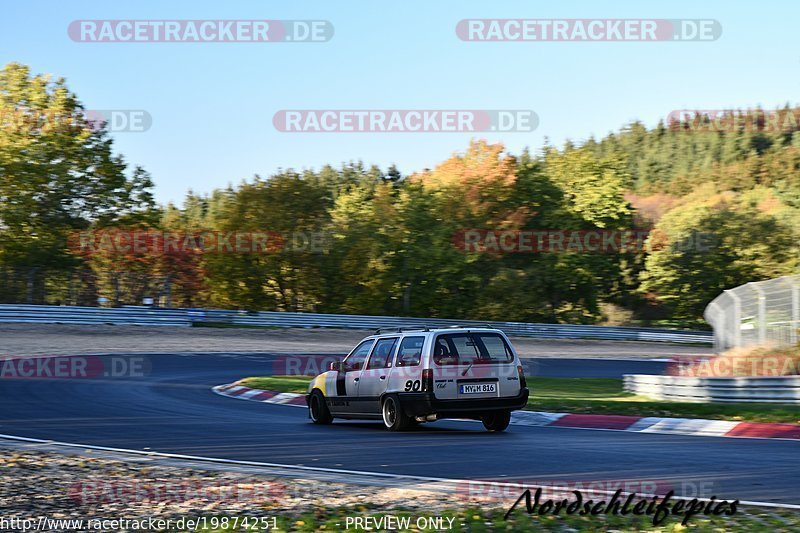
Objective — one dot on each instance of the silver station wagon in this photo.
(405, 376)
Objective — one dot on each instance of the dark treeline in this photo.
(358, 239)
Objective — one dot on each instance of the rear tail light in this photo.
(521, 372)
(427, 380)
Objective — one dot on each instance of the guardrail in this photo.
(54, 314)
(778, 389)
(521, 329)
(187, 317)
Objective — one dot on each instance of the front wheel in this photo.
(497, 421)
(318, 410)
(393, 416)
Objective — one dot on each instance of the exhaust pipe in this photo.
(429, 418)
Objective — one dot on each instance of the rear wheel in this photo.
(497, 421)
(318, 409)
(393, 416)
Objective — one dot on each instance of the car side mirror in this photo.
(335, 365)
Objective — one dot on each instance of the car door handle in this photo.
(383, 377)
(355, 379)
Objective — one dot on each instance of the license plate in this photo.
(479, 388)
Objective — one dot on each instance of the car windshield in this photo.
(471, 348)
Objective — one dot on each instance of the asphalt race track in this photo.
(172, 409)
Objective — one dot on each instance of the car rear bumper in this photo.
(425, 403)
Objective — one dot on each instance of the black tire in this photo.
(318, 410)
(496, 421)
(393, 416)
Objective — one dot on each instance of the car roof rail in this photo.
(401, 329)
(473, 326)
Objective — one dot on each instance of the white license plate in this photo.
(479, 388)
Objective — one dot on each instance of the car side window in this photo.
(382, 354)
(355, 361)
(445, 353)
(410, 352)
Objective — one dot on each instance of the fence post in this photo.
(715, 315)
(736, 322)
(795, 323)
(761, 317)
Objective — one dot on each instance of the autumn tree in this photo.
(717, 243)
(58, 173)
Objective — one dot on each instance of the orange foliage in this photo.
(650, 209)
(478, 183)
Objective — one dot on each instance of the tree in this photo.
(292, 210)
(57, 173)
(714, 244)
(594, 187)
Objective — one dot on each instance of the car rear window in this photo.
(471, 348)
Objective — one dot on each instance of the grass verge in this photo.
(595, 396)
(297, 384)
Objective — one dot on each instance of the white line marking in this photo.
(283, 397)
(249, 394)
(644, 423)
(691, 426)
(453, 482)
(534, 418)
(219, 390)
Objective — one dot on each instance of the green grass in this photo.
(595, 396)
(298, 384)
(576, 388)
(605, 396)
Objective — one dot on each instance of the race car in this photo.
(406, 376)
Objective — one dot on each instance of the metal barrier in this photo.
(758, 313)
(779, 389)
(521, 329)
(187, 317)
(51, 314)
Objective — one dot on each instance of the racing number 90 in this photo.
(414, 385)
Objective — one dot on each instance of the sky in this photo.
(212, 104)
